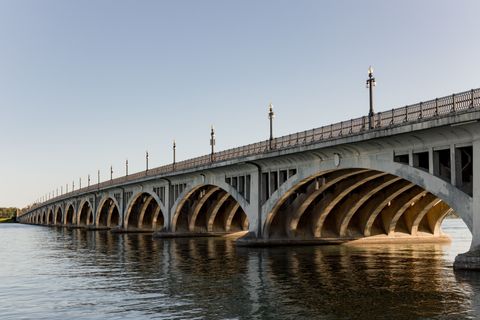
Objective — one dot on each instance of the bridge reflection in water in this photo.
(135, 275)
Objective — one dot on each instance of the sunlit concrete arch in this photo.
(450, 195)
(204, 213)
(85, 213)
(50, 216)
(44, 217)
(210, 179)
(58, 215)
(69, 214)
(144, 212)
(137, 194)
(108, 213)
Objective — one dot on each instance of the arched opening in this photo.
(50, 218)
(70, 216)
(44, 218)
(109, 215)
(85, 218)
(58, 216)
(355, 203)
(144, 213)
(210, 209)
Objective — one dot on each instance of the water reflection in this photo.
(98, 275)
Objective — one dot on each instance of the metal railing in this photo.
(439, 107)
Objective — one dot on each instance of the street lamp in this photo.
(126, 167)
(146, 161)
(88, 181)
(111, 173)
(212, 143)
(174, 153)
(370, 84)
(271, 115)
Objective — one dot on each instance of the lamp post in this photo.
(146, 161)
(98, 177)
(126, 167)
(271, 115)
(174, 149)
(370, 84)
(88, 181)
(80, 183)
(212, 143)
(111, 173)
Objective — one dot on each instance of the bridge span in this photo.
(392, 176)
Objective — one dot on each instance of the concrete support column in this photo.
(453, 175)
(167, 219)
(410, 158)
(476, 196)
(471, 259)
(121, 210)
(256, 203)
(430, 161)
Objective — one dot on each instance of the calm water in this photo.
(49, 273)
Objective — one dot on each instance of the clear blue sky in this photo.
(88, 84)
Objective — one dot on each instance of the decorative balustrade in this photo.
(439, 107)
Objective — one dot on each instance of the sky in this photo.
(85, 85)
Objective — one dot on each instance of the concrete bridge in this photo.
(393, 175)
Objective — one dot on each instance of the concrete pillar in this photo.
(121, 210)
(458, 168)
(453, 175)
(256, 203)
(430, 161)
(168, 198)
(471, 259)
(476, 196)
(410, 158)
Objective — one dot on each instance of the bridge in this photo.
(389, 176)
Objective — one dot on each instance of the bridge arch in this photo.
(144, 212)
(361, 198)
(108, 214)
(58, 216)
(209, 208)
(69, 218)
(50, 217)
(85, 214)
(44, 217)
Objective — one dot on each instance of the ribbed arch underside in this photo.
(58, 216)
(210, 209)
(109, 215)
(144, 214)
(85, 217)
(50, 218)
(356, 203)
(70, 216)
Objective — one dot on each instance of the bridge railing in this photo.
(439, 107)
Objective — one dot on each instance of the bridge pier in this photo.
(471, 260)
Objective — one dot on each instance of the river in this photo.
(57, 273)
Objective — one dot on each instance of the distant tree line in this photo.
(8, 212)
